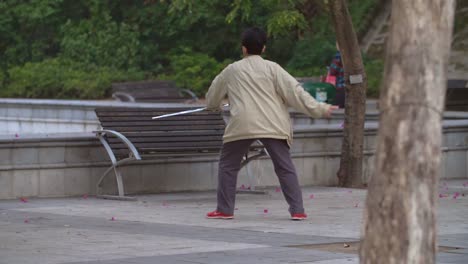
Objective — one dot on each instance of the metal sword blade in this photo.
(180, 113)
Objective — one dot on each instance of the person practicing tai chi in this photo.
(259, 94)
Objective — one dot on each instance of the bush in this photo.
(311, 57)
(374, 71)
(193, 70)
(102, 42)
(64, 79)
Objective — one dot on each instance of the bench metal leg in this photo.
(118, 175)
(250, 176)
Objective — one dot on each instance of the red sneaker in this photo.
(218, 215)
(298, 217)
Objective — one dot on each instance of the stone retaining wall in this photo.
(70, 164)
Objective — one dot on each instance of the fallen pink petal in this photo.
(311, 196)
(265, 211)
(350, 191)
(242, 187)
(85, 196)
(356, 205)
(278, 189)
(23, 199)
(112, 219)
(26, 221)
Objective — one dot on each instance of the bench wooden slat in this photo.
(155, 113)
(152, 109)
(165, 134)
(164, 128)
(168, 151)
(147, 117)
(166, 139)
(170, 145)
(160, 123)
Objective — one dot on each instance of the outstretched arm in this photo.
(295, 96)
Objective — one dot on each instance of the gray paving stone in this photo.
(171, 228)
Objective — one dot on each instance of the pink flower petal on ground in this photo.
(248, 188)
(265, 211)
(356, 204)
(24, 199)
(442, 195)
(112, 219)
(165, 204)
(16, 135)
(456, 195)
(350, 191)
(26, 221)
(342, 125)
(278, 189)
(311, 196)
(85, 196)
(242, 187)
(236, 208)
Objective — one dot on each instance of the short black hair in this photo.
(254, 39)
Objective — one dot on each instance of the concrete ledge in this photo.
(47, 165)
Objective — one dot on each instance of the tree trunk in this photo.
(400, 224)
(350, 171)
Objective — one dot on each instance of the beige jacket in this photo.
(259, 93)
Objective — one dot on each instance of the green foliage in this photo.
(305, 63)
(75, 49)
(61, 78)
(101, 41)
(374, 71)
(282, 22)
(193, 70)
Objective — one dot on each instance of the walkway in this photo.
(171, 228)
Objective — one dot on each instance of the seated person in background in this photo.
(336, 69)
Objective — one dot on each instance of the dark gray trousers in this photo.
(229, 166)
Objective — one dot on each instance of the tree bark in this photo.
(350, 171)
(400, 224)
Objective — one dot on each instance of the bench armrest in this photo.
(123, 97)
(192, 94)
(123, 138)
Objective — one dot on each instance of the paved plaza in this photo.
(171, 228)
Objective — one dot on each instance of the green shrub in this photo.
(65, 79)
(193, 70)
(101, 42)
(374, 71)
(311, 57)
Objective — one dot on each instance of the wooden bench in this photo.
(456, 98)
(151, 91)
(130, 135)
